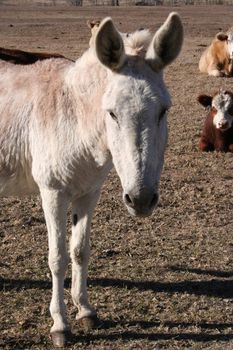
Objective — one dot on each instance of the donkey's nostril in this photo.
(128, 200)
(154, 200)
(141, 203)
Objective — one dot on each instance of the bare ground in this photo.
(164, 282)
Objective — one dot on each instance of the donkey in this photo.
(63, 125)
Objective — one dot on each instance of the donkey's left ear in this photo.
(166, 43)
(109, 45)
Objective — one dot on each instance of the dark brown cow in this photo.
(25, 57)
(217, 133)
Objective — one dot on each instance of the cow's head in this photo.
(220, 107)
(228, 38)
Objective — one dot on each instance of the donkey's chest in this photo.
(71, 172)
(88, 178)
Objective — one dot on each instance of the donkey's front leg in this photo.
(80, 251)
(55, 206)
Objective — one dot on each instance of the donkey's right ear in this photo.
(205, 100)
(166, 43)
(109, 45)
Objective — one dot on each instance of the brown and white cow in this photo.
(217, 59)
(217, 133)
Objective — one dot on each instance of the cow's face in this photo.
(228, 38)
(230, 45)
(221, 108)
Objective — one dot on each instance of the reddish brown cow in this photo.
(217, 133)
(25, 57)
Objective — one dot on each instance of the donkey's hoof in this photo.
(89, 323)
(59, 339)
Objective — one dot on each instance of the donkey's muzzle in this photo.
(141, 204)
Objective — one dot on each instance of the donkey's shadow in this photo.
(216, 287)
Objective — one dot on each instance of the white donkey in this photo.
(62, 127)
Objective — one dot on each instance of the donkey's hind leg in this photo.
(82, 212)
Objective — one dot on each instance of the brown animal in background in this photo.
(24, 57)
(217, 59)
(93, 25)
(217, 133)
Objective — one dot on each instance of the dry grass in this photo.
(160, 283)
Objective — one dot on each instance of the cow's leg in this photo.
(205, 146)
(216, 73)
(82, 211)
(55, 209)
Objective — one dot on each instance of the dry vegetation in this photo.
(160, 283)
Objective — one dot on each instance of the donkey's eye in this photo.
(113, 116)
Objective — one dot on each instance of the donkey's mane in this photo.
(137, 43)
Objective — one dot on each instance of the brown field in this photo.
(165, 282)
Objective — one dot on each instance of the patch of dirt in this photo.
(165, 282)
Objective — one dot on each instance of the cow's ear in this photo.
(92, 23)
(222, 36)
(205, 100)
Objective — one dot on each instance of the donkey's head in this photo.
(136, 101)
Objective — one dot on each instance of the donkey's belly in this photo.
(17, 183)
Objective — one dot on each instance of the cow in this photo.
(217, 59)
(93, 25)
(217, 133)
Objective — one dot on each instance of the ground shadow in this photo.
(212, 288)
(107, 324)
(108, 331)
(127, 336)
(210, 272)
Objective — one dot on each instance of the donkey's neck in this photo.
(87, 79)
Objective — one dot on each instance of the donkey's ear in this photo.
(205, 100)
(166, 43)
(109, 45)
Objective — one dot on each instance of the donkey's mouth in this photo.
(140, 214)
